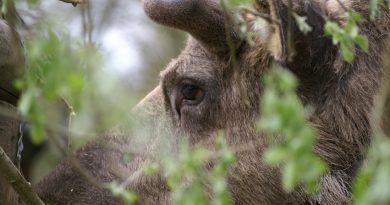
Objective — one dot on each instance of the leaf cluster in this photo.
(188, 174)
(283, 114)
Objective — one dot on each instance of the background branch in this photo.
(13, 176)
(74, 2)
(9, 136)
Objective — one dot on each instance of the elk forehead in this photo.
(203, 19)
(189, 85)
(195, 63)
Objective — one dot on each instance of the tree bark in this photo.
(385, 95)
(12, 62)
(9, 136)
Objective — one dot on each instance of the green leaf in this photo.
(37, 134)
(283, 115)
(26, 101)
(371, 186)
(128, 197)
(275, 155)
(348, 55)
(233, 4)
(373, 8)
(362, 42)
(290, 173)
(348, 36)
(151, 169)
(302, 25)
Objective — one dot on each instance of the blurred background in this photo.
(134, 50)
(134, 47)
(88, 65)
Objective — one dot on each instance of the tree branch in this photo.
(74, 2)
(13, 176)
(383, 110)
(9, 137)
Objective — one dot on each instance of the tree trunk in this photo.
(385, 95)
(9, 136)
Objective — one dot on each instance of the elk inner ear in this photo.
(277, 42)
(203, 19)
(279, 12)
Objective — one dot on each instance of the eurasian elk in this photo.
(203, 91)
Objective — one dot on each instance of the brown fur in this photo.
(341, 94)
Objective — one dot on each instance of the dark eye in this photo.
(192, 94)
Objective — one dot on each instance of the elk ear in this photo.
(203, 19)
(282, 32)
(277, 42)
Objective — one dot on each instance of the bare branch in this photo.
(86, 174)
(290, 44)
(9, 137)
(264, 16)
(342, 5)
(18, 182)
(74, 2)
(87, 21)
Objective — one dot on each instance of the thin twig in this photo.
(382, 111)
(74, 2)
(87, 22)
(18, 182)
(47, 124)
(229, 35)
(342, 5)
(70, 115)
(290, 43)
(76, 164)
(264, 16)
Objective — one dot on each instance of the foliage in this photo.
(372, 184)
(128, 197)
(80, 80)
(43, 82)
(347, 36)
(236, 4)
(283, 113)
(188, 172)
(302, 25)
(373, 7)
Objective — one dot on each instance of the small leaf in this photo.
(347, 53)
(373, 8)
(26, 101)
(302, 25)
(290, 173)
(233, 4)
(362, 42)
(151, 169)
(275, 155)
(37, 134)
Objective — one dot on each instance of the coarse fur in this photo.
(341, 94)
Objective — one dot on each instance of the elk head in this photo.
(215, 84)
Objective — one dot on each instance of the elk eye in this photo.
(192, 94)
